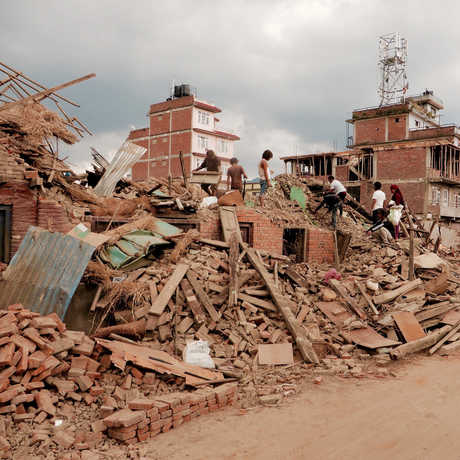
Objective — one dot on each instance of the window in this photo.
(160, 118)
(417, 123)
(203, 142)
(457, 200)
(222, 146)
(397, 120)
(203, 118)
(445, 196)
(435, 195)
(165, 139)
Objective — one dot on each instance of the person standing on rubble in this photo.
(264, 174)
(341, 192)
(378, 200)
(210, 163)
(234, 175)
(396, 206)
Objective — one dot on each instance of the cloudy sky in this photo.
(286, 73)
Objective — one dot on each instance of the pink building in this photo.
(180, 124)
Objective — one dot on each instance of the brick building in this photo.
(180, 124)
(21, 206)
(404, 144)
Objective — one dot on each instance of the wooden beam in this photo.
(298, 333)
(419, 344)
(168, 290)
(335, 284)
(202, 296)
(444, 339)
(43, 94)
(391, 295)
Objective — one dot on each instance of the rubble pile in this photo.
(51, 376)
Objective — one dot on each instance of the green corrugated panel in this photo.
(298, 195)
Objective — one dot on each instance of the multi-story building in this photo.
(180, 124)
(404, 144)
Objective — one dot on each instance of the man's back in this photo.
(235, 173)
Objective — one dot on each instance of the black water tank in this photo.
(182, 90)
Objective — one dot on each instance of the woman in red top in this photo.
(398, 199)
(397, 195)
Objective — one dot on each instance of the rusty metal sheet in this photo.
(408, 325)
(125, 157)
(335, 311)
(276, 353)
(45, 271)
(367, 337)
(451, 317)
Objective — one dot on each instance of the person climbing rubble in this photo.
(382, 228)
(332, 202)
(378, 200)
(338, 188)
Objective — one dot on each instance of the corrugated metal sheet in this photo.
(126, 156)
(45, 271)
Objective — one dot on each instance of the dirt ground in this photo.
(413, 415)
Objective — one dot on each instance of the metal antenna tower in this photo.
(392, 68)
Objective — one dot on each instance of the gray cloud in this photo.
(286, 73)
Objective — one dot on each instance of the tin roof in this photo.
(45, 271)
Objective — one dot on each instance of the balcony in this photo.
(449, 211)
(429, 133)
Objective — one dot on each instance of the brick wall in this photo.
(320, 246)
(397, 128)
(369, 131)
(401, 163)
(341, 172)
(269, 237)
(26, 210)
(53, 217)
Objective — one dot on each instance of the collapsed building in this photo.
(403, 144)
(266, 297)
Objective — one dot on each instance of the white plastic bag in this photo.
(197, 353)
(208, 201)
(395, 214)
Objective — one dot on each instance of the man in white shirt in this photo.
(378, 200)
(338, 188)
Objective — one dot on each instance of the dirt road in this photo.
(414, 416)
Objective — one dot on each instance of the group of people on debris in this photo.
(236, 173)
(385, 217)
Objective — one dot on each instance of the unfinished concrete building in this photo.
(402, 144)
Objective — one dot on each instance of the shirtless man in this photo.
(234, 175)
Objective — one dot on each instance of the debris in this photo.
(280, 353)
(408, 325)
(404, 289)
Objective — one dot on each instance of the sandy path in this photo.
(414, 416)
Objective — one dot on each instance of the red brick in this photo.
(124, 418)
(64, 439)
(141, 403)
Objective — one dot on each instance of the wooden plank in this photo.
(434, 310)
(192, 301)
(335, 311)
(280, 353)
(168, 290)
(229, 223)
(296, 277)
(408, 325)
(451, 317)
(266, 305)
(202, 296)
(337, 286)
(367, 337)
(444, 339)
(362, 289)
(233, 268)
(391, 295)
(215, 243)
(298, 333)
(420, 344)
